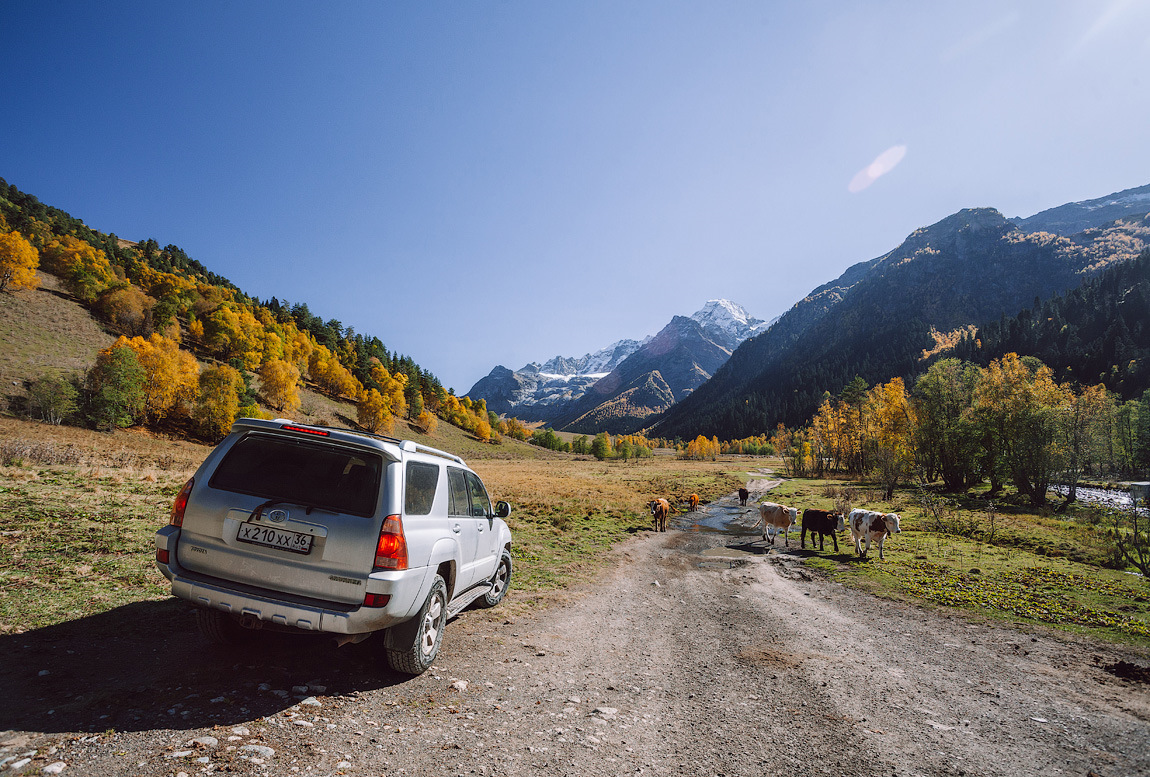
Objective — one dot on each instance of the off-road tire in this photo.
(411, 647)
(500, 582)
(220, 629)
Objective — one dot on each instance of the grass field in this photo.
(1004, 561)
(78, 510)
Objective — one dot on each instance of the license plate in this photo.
(274, 538)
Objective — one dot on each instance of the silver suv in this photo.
(329, 530)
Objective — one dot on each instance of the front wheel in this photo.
(499, 582)
(411, 647)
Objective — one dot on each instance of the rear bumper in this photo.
(404, 590)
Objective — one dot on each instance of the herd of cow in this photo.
(866, 526)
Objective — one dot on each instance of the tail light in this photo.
(181, 503)
(162, 557)
(376, 600)
(391, 550)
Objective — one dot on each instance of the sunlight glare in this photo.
(883, 164)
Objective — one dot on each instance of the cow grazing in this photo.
(694, 500)
(867, 526)
(821, 523)
(659, 510)
(743, 494)
(780, 518)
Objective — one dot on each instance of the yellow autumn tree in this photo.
(892, 432)
(84, 269)
(483, 430)
(171, 376)
(374, 412)
(218, 402)
(427, 422)
(279, 383)
(18, 262)
(126, 308)
(232, 332)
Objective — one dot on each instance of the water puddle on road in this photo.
(725, 516)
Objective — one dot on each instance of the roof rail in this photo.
(411, 445)
(406, 445)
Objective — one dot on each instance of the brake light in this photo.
(162, 557)
(305, 430)
(376, 600)
(391, 550)
(181, 503)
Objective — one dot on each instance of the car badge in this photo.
(278, 516)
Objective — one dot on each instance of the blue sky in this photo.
(482, 183)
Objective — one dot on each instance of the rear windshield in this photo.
(297, 471)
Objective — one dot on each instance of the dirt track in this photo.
(686, 657)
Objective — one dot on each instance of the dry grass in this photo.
(42, 333)
(78, 511)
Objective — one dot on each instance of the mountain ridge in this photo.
(554, 391)
(877, 318)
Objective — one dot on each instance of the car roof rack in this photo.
(408, 446)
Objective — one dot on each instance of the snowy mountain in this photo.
(1075, 217)
(547, 391)
(727, 323)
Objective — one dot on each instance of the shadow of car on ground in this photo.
(145, 665)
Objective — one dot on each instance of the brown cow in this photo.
(780, 518)
(659, 510)
(743, 494)
(694, 500)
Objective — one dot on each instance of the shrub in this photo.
(53, 398)
(115, 388)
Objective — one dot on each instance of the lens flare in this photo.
(883, 164)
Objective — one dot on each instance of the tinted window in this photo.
(422, 480)
(460, 499)
(301, 472)
(480, 504)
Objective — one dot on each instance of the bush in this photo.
(115, 389)
(53, 398)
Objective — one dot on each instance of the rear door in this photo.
(487, 553)
(466, 525)
(289, 515)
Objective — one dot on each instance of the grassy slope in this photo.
(42, 332)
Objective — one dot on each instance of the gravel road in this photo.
(695, 653)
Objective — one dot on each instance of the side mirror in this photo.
(502, 509)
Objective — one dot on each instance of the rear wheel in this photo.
(220, 629)
(499, 582)
(411, 647)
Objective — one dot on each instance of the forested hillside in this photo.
(167, 307)
(879, 319)
(1097, 333)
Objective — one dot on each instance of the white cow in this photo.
(868, 526)
(780, 518)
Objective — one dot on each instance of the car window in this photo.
(422, 480)
(480, 504)
(323, 476)
(460, 498)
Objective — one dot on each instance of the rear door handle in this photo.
(455, 528)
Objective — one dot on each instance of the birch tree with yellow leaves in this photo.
(18, 262)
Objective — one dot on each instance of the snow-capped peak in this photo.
(730, 318)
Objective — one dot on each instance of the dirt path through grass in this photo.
(695, 653)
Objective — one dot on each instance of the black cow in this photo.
(821, 523)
